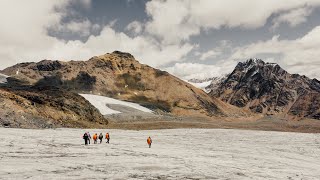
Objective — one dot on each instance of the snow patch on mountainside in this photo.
(101, 102)
(201, 85)
(207, 84)
(3, 78)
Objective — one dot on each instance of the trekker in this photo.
(149, 141)
(95, 137)
(107, 138)
(85, 137)
(100, 137)
(89, 137)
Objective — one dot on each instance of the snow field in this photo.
(175, 154)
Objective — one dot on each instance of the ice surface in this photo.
(175, 154)
(100, 103)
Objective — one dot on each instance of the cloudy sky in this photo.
(189, 38)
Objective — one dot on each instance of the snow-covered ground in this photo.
(3, 78)
(175, 154)
(101, 102)
(201, 85)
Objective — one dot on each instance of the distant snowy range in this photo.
(207, 84)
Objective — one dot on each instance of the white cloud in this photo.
(176, 20)
(188, 71)
(24, 37)
(170, 21)
(209, 54)
(23, 28)
(299, 55)
(135, 26)
(222, 47)
(84, 3)
(112, 23)
(293, 17)
(145, 49)
(95, 27)
(82, 28)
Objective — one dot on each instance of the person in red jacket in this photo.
(107, 138)
(149, 141)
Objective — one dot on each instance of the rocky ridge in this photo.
(121, 76)
(267, 88)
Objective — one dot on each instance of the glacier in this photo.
(175, 154)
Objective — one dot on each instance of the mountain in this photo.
(208, 84)
(38, 107)
(215, 83)
(201, 83)
(267, 88)
(120, 76)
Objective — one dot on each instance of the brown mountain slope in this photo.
(267, 88)
(39, 107)
(120, 76)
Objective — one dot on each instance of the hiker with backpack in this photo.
(85, 137)
(149, 141)
(95, 137)
(100, 137)
(107, 138)
(89, 137)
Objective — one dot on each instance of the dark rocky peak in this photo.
(48, 65)
(256, 63)
(267, 88)
(123, 54)
(250, 63)
(315, 85)
(258, 68)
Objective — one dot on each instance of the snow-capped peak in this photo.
(255, 62)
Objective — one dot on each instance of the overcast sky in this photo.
(189, 38)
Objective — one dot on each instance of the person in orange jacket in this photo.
(149, 141)
(107, 138)
(95, 137)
